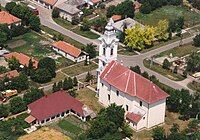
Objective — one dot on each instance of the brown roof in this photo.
(116, 17)
(95, 1)
(23, 59)
(67, 48)
(131, 83)
(54, 104)
(50, 2)
(10, 74)
(6, 18)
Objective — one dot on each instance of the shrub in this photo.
(166, 64)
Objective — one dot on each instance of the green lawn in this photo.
(169, 12)
(66, 24)
(31, 45)
(79, 68)
(87, 96)
(66, 38)
(180, 51)
(194, 86)
(69, 127)
(126, 52)
(167, 73)
(63, 62)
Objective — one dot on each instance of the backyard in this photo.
(79, 68)
(75, 28)
(169, 12)
(87, 96)
(180, 51)
(31, 44)
(167, 73)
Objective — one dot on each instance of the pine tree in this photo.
(75, 81)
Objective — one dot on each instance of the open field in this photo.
(31, 44)
(87, 96)
(167, 73)
(79, 68)
(45, 133)
(180, 51)
(169, 12)
(66, 38)
(66, 24)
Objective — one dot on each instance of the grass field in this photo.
(79, 68)
(87, 96)
(31, 45)
(45, 133)
(66, 38)
(126, 52)
(66, 24)
(167, 73)
(180, 51)
(194, 86)
(169, 12)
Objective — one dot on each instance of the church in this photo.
(143, 101)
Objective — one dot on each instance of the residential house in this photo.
(70, 9)
(69, 51)
(116, 18)
(47, 3)
(55, 106)
(6, 18)
(22, 58)
(10, 74)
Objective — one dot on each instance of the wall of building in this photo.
(66, 15)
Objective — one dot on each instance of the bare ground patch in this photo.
(16, 43)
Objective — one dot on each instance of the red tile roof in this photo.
(23, 59)
(54, 104)
(67, 48)
(133, 117)
(132, 83)
(116, 17)
(50, 2)
(95, 1)
(10, 74)
(6, 18)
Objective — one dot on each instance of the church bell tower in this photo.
(107, 48)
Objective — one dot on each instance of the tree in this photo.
(85, 25)
(9, 6)
(110, 11)
(75, 81)
(145, 8)
(4, 112)
(136, 69)
(193, 62)
(175, 69)
(196, 40)
(34, 22)
(154, 79)
(162, 30)
(32, 95)
(48, 64)
(88, 77)
(175, 128)
(145, 75)
(20, 83)
(60, 85)
(196, 4)
(13, 63)
(138, 38)
(41, 75)
(55, 12)
(3, 38)
(68, 83)
(54, 88)
(17, 105)
(3, 69)
(166, 64)
(90, 49)
(158, 133)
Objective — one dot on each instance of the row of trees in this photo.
(125, 9)
(18, 104)
(139, 37)
(151, 5)
(107, 125)
(67, 84)
(22, 12)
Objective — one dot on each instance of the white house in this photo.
(70, 9)
(143, 101)
(69, 51)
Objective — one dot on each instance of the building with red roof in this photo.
(6, 18)
(22, 58)
(143, 101)
(56, 105)
(69, 51)
(47, 3)
(116, 17)
(10, 74)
